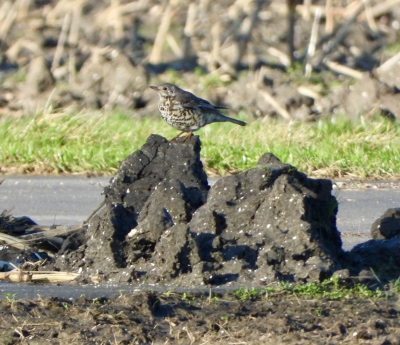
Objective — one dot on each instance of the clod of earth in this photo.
(388, 225)
(163, 224)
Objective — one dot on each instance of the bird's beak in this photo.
(154, 88)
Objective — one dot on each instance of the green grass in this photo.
(95, 142)
(333, 289)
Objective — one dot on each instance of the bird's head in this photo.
(165, 90)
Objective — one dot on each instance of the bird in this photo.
(186, 112)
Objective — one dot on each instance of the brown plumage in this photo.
(187, 112)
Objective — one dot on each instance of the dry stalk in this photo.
(4, 10)
(233, 27)
(117, 20)
(306, 10)
(61, 41)
(204, 5)
(251, 56)
(13, 241)
(282, 57)
(63, 6)
(8, 20)
(224, 66)
(73, 40)
(174, 45)
(307, 92)
(382, 7)
(23, 9)
(351, 8)
(291, 23)
(190, 335)
(247, 27)
(282, 9)
(388, 64)
(135, 6)
(13, 51)
(216, 45)
(279, 109)
(48, 232)
(268, 97)
(53, 277)
(155, 55)
(342, 32)
(94, 211)
(369, 17)
(344, 70)
(188, 31)
(329, 24)
(171, 325)
(312, 44)
(20, 332)
(16, 276)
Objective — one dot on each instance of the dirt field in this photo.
(149, 318)
(40, 65)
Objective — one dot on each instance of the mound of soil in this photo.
(161, 225)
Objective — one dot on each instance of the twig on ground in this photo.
(279, 109)
(282, 57)
(94, 211)
(313, 42)
(334, 66)
(388, 64)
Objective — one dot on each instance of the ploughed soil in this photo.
(170, 318)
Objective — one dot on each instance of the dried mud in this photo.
(149, 318)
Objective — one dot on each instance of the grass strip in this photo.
(95, 143)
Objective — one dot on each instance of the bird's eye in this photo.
(165, 88)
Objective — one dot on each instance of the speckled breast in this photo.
(179, 117)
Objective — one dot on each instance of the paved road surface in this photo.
(69, 200)
(52, 199)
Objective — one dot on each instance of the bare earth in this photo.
(149, 318)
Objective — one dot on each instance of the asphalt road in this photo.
(62, 200)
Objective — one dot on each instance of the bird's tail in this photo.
(223, 118)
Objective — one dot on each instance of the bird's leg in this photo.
(189, 135)
(176, 137)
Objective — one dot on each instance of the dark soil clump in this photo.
(162, 225)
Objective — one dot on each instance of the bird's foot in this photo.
(189, 135)
(175, 137)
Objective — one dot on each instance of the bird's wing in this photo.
(188, 100)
